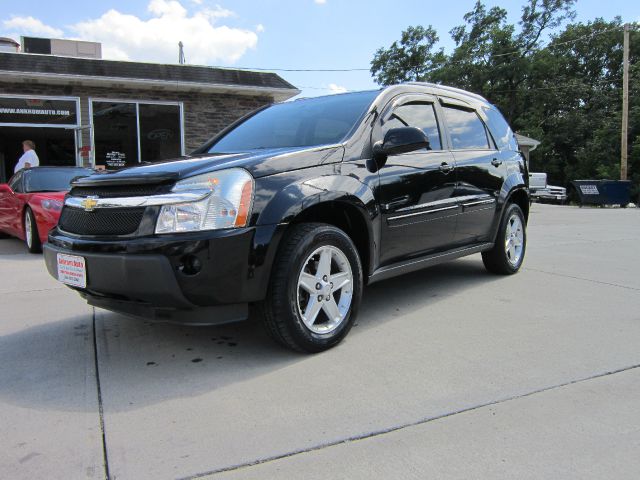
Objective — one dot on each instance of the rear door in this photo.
(480, 171)
(416, 189)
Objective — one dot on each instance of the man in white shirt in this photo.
(28, 158)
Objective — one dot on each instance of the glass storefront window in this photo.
(160, 136)
(126, 133)
(115, 134)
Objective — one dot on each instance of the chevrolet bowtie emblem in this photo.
(89, 204)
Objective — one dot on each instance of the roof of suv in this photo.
(448, 89)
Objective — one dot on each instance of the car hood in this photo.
(259, 163)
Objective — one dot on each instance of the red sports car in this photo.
(31, 202)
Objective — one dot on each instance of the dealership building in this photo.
(82, 110)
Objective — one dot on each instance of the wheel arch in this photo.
(514, 190)
(337, 200)
(348, 217)
(520, 196)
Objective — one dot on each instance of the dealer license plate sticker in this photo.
(72, 270)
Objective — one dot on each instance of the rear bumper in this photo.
(149, 276)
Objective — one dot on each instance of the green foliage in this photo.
(567, 93)
(409, 60)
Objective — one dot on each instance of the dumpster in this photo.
(603, 192)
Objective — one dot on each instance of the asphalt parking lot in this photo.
(449, 373)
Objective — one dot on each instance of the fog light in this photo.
(190, 265)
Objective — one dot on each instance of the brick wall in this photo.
(204, 114)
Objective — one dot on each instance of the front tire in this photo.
(507, 255)
(31, 236)
(315, 289)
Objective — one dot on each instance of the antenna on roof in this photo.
(181, 59)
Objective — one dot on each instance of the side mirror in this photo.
(5, 188)
(397, 141)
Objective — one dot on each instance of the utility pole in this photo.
(625, 103)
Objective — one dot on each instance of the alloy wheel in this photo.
(28, 229)
(514, 239)
(325, 289)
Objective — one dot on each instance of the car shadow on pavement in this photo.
(13, 246)
(52, 366)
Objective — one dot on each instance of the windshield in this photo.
(52, 179)
(301, 123)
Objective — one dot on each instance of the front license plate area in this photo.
(72, 270)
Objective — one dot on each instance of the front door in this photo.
(11, 206)
(416, 189)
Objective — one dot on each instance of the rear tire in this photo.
(31, 236)
(315, 288)
(507, 255)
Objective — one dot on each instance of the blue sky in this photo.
(269, 34)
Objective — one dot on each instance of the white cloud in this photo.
(31, 26)
(154, 39)
(217, 12)
(127, 37)
(337, 88)
(320, 2)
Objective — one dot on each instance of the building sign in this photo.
(114, 160)
(37, 111)
(161, 134)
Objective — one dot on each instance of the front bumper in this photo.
(150, 276)
(553, 195)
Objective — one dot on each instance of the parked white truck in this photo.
(542, 192)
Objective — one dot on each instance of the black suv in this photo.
(294, 208)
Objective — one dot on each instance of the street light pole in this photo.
(625, 103)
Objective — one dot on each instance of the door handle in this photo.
(445, 167)
(496, 163)
(398, 202)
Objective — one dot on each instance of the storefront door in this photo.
(49, 122)
(54, 146)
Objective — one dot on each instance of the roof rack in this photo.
(451, 89)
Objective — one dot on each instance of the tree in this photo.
(409, 60)
(567, 93)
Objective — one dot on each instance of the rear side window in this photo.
(502, 133)
(466, 129)
(416, 114)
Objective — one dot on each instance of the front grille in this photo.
(102, 221)
(115, 191)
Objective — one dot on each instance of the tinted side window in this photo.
(416, 114)
(466, 129)
(502, 133)
(16, 183)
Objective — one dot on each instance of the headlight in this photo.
(52, 205)
(227, 205)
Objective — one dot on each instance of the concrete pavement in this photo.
(449, 373)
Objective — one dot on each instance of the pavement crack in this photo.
(10, 292)
(396, 428)
(564, 275)
(105, 456)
